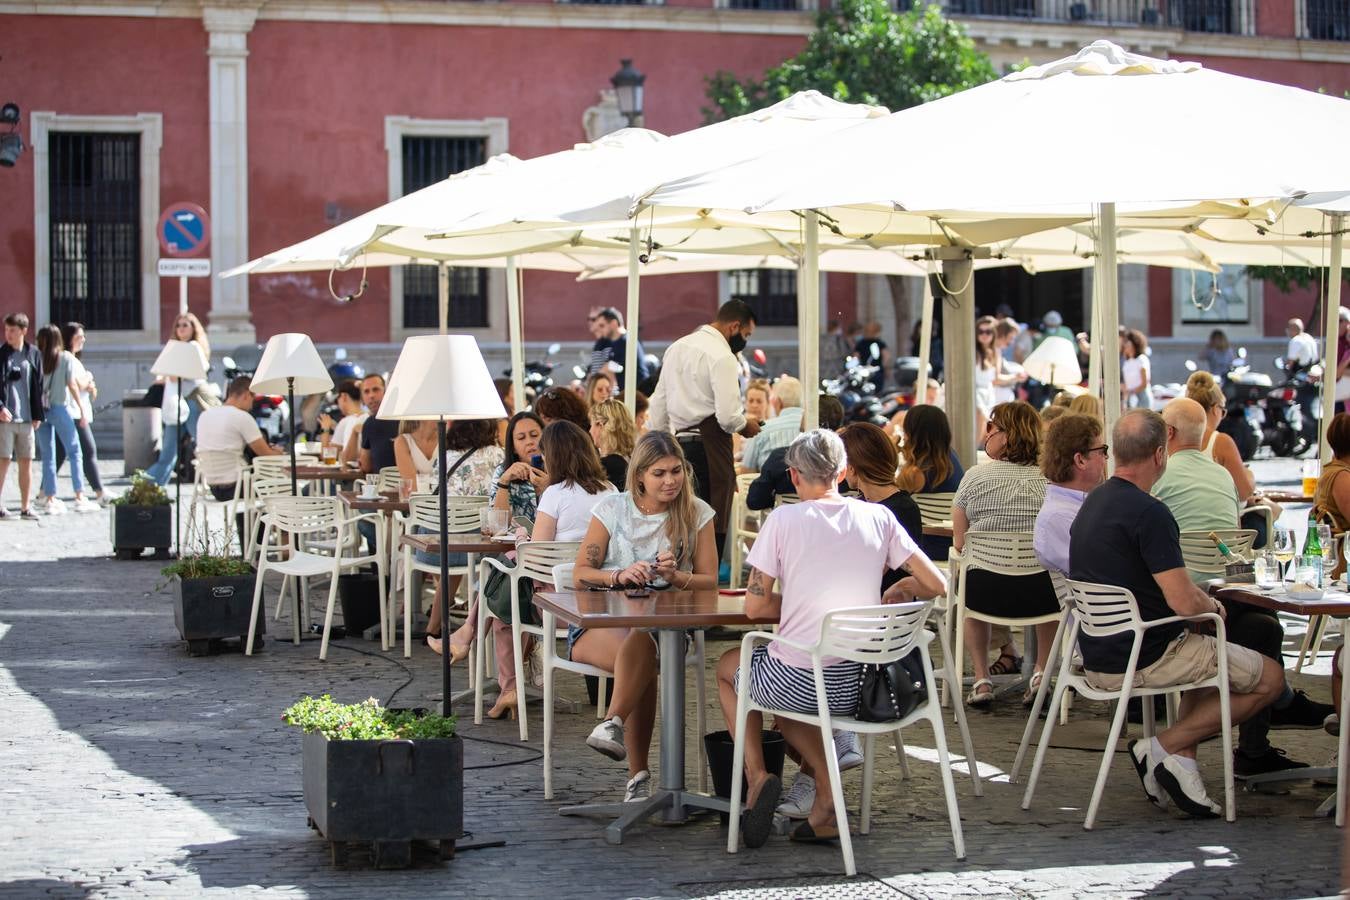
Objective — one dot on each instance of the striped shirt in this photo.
(1001, 496)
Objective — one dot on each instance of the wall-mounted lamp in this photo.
(628, 90)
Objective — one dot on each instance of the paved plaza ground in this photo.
(131, 769)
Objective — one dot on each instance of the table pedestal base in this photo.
(675, 808)
(1255, 783)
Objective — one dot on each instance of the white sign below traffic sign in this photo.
(184, 268)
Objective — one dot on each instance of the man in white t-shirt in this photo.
(1302, 351)
(230, 428)
(349, 405)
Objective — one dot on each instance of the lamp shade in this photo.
(1055, 361)
(289, 356)
(180, 359)
(441, 376)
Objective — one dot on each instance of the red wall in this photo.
(98, 66)
(318, 96)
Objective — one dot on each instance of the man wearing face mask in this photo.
(699, 398)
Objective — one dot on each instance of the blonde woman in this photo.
(415, 449)
(757, 409)
(655, 532)
(1088, 405)
(600, 386)
(614, 434)
(186, 327)
(1203, 389)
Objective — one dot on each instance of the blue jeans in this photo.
(168, 456)
(59, 425)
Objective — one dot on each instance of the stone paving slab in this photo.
(133, 770)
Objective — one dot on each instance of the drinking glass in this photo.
(330, 454)
(1283, 545)
(484, 528)
(498, 519)
(406, 486)
(1328, 548)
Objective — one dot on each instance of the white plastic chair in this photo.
(1343, 742)
(534, 560)
(388, 479)
(876, 634)
(742, 537)
(296, 518)
(1203, 558)
(1002, 552)
(1101, 611)
(935, 509)
(424, 511)
(562, 580)
(221, 468)
(785, 500)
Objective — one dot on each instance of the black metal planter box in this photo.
(387, 793)
(135, 528)
(210, 609)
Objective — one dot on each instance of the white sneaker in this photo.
(846, 747)
(50, 506)
(85, 505)
(800, 797)
(638, 788)
(607, 738)
(1186, 788)
(105, 498)
(1142, 758)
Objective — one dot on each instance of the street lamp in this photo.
(628, 90)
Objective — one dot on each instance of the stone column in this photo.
(228, 23)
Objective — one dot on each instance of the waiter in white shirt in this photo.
(699, 398)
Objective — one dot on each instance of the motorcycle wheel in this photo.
(1247, 440)
(1282, 442)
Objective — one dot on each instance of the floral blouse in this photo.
(474, 478)
(520, 494)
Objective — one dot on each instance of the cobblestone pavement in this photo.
(133, 770)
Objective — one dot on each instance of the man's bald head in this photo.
(1188, 419)
(1138, 436)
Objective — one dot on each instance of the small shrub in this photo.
(365, 721)
(207, 567)
(144, 492)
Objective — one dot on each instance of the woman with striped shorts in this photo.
(826, 553)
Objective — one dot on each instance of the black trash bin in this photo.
(721, 750)
(360, 595)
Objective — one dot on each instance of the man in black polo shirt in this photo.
(377, 435)
(1127, 538)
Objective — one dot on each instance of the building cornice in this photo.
(990, 32)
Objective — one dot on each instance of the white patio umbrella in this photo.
(1069, 138)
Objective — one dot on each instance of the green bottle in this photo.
(1312, 545)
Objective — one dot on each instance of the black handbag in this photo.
(888, 693)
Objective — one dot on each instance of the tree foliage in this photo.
(1286, 278)
(862, 51)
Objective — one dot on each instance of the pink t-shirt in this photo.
(826, 555)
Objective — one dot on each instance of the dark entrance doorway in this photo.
(1032, 296)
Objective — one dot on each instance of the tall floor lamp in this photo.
(442, 377)
(291, 362)
(180, 360)
(1054, 362)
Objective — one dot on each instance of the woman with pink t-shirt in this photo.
(826, 553)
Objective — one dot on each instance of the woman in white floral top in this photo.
(475, 442)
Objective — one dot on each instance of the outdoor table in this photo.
(1333, 603)
(328, 475)
(669, 613)
(1282, 496)
(939, 529)
(383, 502)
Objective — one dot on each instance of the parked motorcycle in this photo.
(315, 405)
(857, 393)
(270, 411)
(539, 372)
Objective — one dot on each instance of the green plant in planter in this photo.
(144, 492)
(365, 721)
(207, 567)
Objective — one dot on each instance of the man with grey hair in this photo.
(1199, 492)
(1125, 537)
(785, 397)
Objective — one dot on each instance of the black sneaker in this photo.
(1301, 712)
(1273, 760)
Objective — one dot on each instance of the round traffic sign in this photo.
(184, 230)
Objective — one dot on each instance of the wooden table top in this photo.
(1336, 603)
(1286, 496)
(468, 542)
(662, 609)
(938, 529)
(385, 501)
(328, 473)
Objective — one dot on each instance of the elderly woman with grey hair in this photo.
(861, 541)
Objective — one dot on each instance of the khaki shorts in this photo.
(16, 440)
(1191, 657)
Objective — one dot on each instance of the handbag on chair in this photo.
(889, 692)
(497, 594)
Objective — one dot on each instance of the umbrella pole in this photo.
(178, 480)
(630, 346)
(1095, 332)
(443, 296)
(808, 322)
(958, 350)
(513, 319)
(442, 595)
(925, 339)
(290, 405)
(1109, 317)
(1331, 344)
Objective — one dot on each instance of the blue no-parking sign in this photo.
(184, 229)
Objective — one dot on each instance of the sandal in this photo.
(1029, 697)
(806, 833)
(979, 698)
(1000, 668)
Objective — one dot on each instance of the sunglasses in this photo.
(992, 427)
(984, 332)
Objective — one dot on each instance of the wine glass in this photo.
(1283, 544)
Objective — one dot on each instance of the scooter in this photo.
(312, 407)
(1245, 393)
(270, 411)
(539, 372)
(857, 393)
